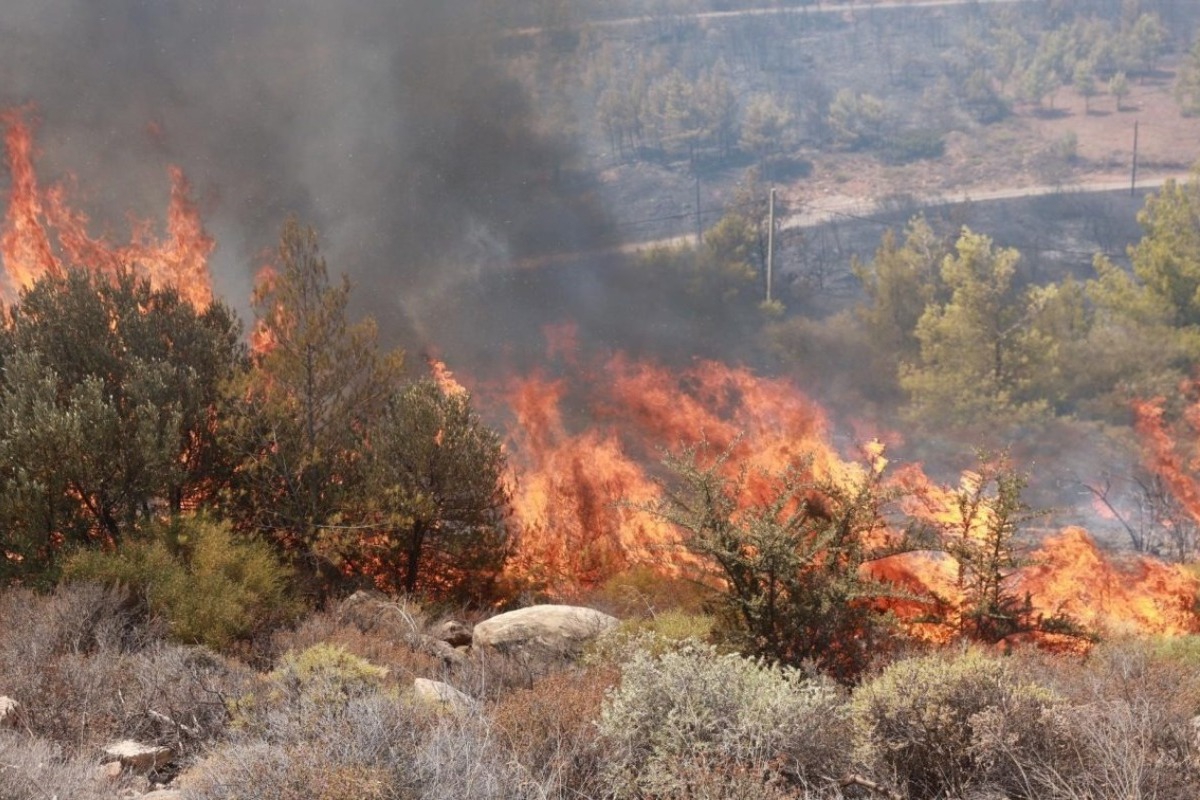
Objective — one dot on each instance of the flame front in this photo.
(44, 235)
(579, 491)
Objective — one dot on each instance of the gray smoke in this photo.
(390, 126)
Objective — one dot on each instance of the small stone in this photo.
(139, 757)
(110, 771)
(453, 633)
(442, 694)
(10, 711)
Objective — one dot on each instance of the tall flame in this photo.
(44, 235)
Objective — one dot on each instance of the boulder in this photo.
(450, 656)
(452, 632)
(441, 694)
(139, 757)
(162, 794)
(548, 629)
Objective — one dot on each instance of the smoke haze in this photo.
(387, 125)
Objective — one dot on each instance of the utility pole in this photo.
(1133, 174)
(770, 241)
(699, 227)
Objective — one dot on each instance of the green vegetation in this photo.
(792, 562)
(105, 401)
(210, 585)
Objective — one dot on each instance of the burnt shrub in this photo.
(86, 673)
(556, 742)
(34, 768)
(1127, 728)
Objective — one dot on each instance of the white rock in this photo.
(139, 757)
(442, 694)
(10, 711)
(553, 628)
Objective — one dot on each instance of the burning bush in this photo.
(790, 550)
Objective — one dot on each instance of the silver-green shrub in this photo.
(679, 708)
(940, 724)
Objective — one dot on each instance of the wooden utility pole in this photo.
(699, 226)
(770, 241)
(1133, 173)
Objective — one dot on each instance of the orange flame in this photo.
(43, 234)
(445, 379)
(577, 491)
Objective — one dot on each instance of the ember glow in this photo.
(44, 235)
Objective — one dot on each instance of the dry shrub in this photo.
(363, 744)
(1126, 729)
(78, 618)
(945, 724)
(389, 632)
(643, 591)
(85, 674)
(551, 728)
(35, 768)
(299, 772)
(735, 714)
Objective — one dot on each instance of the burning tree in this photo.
(108, 397)
(437, 495)
(791, 563)
(304, 412)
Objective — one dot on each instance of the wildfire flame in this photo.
(578, 487)
(43, 234)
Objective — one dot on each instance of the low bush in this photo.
(695, 706)
(35, 768)
(1126, 729)
(210, 585)
(941, 724)
(643, 591)
(85, 674)
(551, 728)
(400, 651)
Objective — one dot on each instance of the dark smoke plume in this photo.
(390, 126)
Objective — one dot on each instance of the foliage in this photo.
(692, 704)
(764, 126)
(991, 350)
(900, 282)
(436, 486)
(925, 722)
(210, 585)
(1167, 259)
(857, 120)
(790, 563)
(304, 412)
(1187, 83)
(107, 401)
